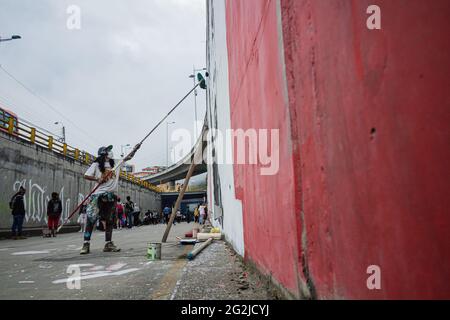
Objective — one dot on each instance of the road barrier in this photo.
(27, 133)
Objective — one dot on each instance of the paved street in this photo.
(37, 268)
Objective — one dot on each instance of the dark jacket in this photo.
(129, 207)
(54, 207)
(17, 205)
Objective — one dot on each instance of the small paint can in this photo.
(154, 251)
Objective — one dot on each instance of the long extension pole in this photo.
(131, 154)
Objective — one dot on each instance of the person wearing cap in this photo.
(102, 203)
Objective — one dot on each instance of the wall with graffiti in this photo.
(42, 172)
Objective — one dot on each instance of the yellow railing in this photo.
(177, 188)
(34, 136)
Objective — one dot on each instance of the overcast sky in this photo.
(115, 78)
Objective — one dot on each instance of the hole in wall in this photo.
(373, 132)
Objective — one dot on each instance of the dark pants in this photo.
(136, 219)
(17, 224)
(130, 220)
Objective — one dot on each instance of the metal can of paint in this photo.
(154, 251)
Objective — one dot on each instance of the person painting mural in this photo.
(102, 203)
(54, 210)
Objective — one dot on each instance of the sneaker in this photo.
(110, 247)
(85, 249)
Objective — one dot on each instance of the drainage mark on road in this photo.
(171, 279)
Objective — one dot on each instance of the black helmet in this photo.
(103, 151)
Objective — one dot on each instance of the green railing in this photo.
(26, 132)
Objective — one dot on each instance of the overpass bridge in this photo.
(178, 171)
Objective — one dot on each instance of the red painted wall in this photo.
(372, 197)
(364, 149)
(257, 101)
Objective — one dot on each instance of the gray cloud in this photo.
(115, 78)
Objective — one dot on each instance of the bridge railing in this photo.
(177, 188)
(32, 135)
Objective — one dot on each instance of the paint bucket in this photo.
(154, 251)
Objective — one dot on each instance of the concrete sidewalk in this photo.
(37, 268)
(217, 273)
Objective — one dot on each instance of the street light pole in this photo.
(122, 147)
(195, 104)
(167, 142)
(63, 139)
(193, 76)
(14, 37)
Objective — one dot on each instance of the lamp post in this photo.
(193, 76)
(63, 139)
(167, 142)
(14, 37)
(122, 148)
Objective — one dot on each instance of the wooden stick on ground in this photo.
(196, 251)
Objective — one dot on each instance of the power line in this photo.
(9, 103)
(45, 102)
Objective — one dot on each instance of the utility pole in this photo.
(122, 147)
(64, 134)
(63, 139)
(14, 37)
(193, 76)
(167, 142)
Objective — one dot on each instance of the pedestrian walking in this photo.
(54, 211)
(129, 210)
(17, 206)
(196, 214)
(119, 214)
(178, 216)
(167, 211)
(202, 214)
(136, 216)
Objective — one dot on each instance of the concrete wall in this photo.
(370, 117)
(363, 120)
(42, 172)
(221, 196)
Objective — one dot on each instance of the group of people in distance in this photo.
(17, 206)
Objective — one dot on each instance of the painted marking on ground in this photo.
(116, 266)
(97, 268)
(96, 275)
(29, 252)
